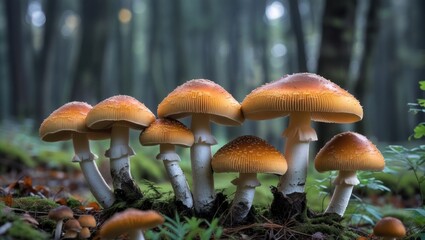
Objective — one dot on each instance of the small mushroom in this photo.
(59, 214)
(130, 221)
(118, 114)
(168, 133)
(205, 101)
(347, 152)
(247, 155)
(86, 222)
(69, 122)
(305, 97)
(72, 228)
(389, 228)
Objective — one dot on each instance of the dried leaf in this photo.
(61, 201)
(8, 200)
(93, 206)
(29, 219)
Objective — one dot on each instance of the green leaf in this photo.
(421, 102)
(419, 131)
(422, 85)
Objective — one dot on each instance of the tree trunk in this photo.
(43, 83)
(335, 52)
(18, 74)
(87, 77)
(299, 35)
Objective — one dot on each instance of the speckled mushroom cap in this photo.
(389, 227)
(249, 154)
(130, 220)
(167, 131)
(349, 151)
(202, 96)
(302, 92)
(66, 121)
(119, 109)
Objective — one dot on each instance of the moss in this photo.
(73, 203)
(22, 230)
(35, 204)
(14, 157)
(19, 229)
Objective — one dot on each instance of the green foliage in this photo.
(190, 228)
(400, 158)
(34, 204)
(16, 228)
(419, 106)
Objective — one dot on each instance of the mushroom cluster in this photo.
(303, 97)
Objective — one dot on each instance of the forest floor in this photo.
(27, 195)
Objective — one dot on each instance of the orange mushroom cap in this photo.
(121, 109)
(66, 121)
(249, 154)
(130, 220)
(167, 131)
(389, 227)
(302, 92)
(202, 96)
(349, 151)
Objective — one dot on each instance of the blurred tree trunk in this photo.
(153, 48)
(19, 105)
(335, 52)
(361, 84)
(297, 28)
(87, 76)
(4, 65)
(41, 60)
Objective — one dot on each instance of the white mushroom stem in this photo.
(97, 185)
(58, 229)
(175, 174)
(298, 136)
(244, 196)
(119, 154)
(136, 235)
(200, 155)
(345, 182)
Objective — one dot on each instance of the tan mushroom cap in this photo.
(130, 220)
(167, 131)
(302, 92)
(72, 225)
(66, 121)
(84, 233)
(249, 154)
(389, 227)
(87, 221)
(121, 109)
(202, 96)
(349, 151)
(61, 212)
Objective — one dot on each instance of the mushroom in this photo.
(86, 222)
(119, 114)
(389, 228)
(130, 221)
(205, 101)
(68, 122)
(347, 152)
(304, 97)
(247, 155)
(59, 214)
(168, 133)
(72, 228)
